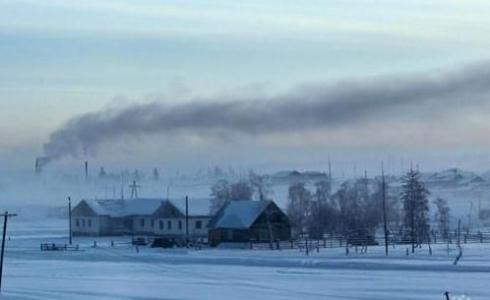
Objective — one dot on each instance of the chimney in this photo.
(86, 170)
(41, 162)
(37, 167)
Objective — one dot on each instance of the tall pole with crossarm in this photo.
(6, 215)
(69, 221)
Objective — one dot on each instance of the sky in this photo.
(63, 59)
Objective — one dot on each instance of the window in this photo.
(142, 222)
(77, 222)
(198, 224)
(89, 223)
(169, 225)
(83, 222)
(152, 223)
(180, 225)
(161, 225)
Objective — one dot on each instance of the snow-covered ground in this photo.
(123, 273)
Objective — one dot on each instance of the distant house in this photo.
(245, 221)
(140, 217)
(484, 217)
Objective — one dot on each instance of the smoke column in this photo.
(300, 109)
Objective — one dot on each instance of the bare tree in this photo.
(220, 193)
(223, 191)
(324, 212)
(260, 186)
(240, 191)
(442, 217)
(359, 213)
(299, 206)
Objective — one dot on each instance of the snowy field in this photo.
(123, 273)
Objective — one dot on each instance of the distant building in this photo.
(141, 217)
(484, 216)
(245, 221)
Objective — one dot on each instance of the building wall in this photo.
(280, 231)
(167, 220)
(197, 226)
(84, 225)
(143, 225)
(223, 235)
(89, 225)
(119, 226)
(169, 226)
(259, 231)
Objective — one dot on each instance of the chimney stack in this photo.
(41, 162)
(38, 166)
(86, 170)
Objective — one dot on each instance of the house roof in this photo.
(107, 207)
(238, 214)
(197, 206)
(144, 206)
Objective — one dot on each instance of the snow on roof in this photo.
(140, 207)
(238, 214)
(452, 176)
(197, 206)
(109, 207)
(145, 206)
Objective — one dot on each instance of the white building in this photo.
(141, 217)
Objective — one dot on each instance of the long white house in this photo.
(157, 217)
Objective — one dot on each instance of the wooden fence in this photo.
(360, 244)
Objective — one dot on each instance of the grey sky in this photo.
(60, 59)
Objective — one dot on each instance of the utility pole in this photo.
(6, 215)
(383, 196)
(187, 221)
(412, 209)
(134, 190)
(479, 209)
(470, 214)
(86, 171)
(69, 220)
(329, 177)
(122, 189)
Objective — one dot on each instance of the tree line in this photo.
(354, 210)
(255, 187)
